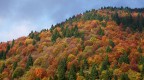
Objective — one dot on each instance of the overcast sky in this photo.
(19, 17)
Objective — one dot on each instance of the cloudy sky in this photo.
(19, 17)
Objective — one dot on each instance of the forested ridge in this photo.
(103, 44)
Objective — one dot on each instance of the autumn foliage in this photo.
(105, 44)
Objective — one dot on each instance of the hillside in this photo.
(106, 44)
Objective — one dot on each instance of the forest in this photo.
(103, 44)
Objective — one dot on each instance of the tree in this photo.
(85, 64)
(18, 72)
(141, 60)
(67, 32)
(29, 62)
(142, 19)
(13, 42)
(31, 35)
(36, 37)
(82, 35)
(124, 77)
(99, 17)
(82, 46)
(94, 72)
(139, 22)
(2, 67)
(8, 48)
(81, 72)
(34, 42)
(115, 77)
(124, 58)
(14, 65)
(52, 28)
(108, 49)
(87, 76)
(142, 71)
(72, 73)
(116, 18)
(62, 69)
(139, 49)
(101, 32)
(37, 79)
(111, 43)
(105, 64)
(55, 35)
(129, 19)
(106, 75)
(75, 32)
(55, 77)
(64, 31)
(2, 55)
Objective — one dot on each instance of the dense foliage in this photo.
(105, 44)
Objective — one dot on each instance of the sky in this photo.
(19, 17)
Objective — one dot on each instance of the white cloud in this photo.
(17, 30)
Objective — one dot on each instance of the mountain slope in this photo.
(99, 44)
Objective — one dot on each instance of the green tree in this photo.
(124, 58)
(67, 32)
(62, 67)
(142, 19)
(139, 49)
(55, 77)
(8, 48)
(101, 32)
(141, 59)
(139, 22)
(105, 64)
(14, 65)
(2, 67)
(108, 49)
(115, 77)
(107, 75)
(94, 72)
(76, 32)
(52, 28)
(72, 73)
(36, 37)
(37, 78)
(99, 17)
(34, 42)
(116, 18)
(13, 42)
(18, 72)
(111, 43)
(81, 72)
(124, 77)
(129, 19)
(87, 77)
(3, 55)
(85, 64)
(82, 35)
(31, 35)
(64, 31)
(142, 71)
(55, 35)
(82, 45)
(29, 62)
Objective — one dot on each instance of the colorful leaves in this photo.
(40, 72)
